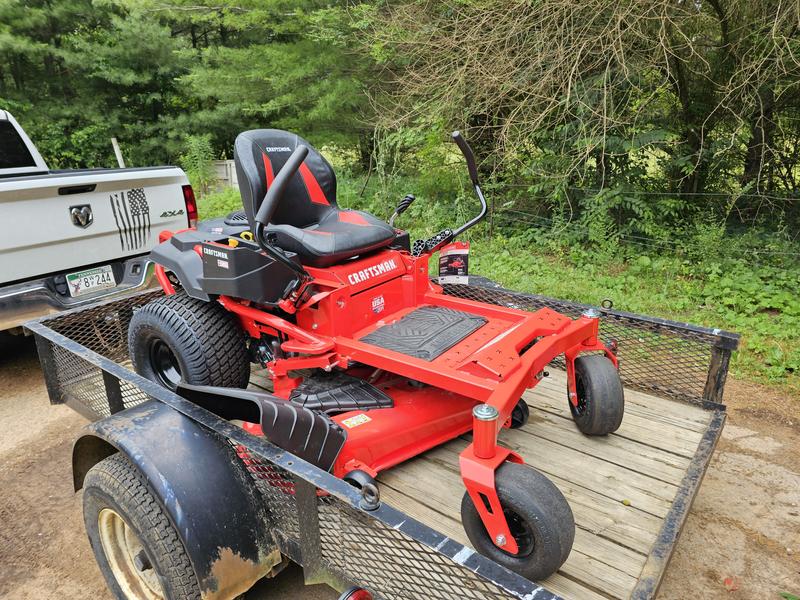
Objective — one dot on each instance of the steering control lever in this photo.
(473, 175)
(270, 204)
(401, 208)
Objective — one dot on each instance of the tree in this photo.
(682, 96)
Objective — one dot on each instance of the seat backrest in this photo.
(260, 154)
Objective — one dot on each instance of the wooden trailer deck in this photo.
(629, 492)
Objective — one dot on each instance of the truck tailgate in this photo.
(122, 213)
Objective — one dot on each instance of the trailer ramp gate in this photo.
(326, 526)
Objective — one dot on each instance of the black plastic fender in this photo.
(202, 486)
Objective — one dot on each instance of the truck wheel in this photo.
(538, 515)
(601, 400)
(177, 337)
(135, 545)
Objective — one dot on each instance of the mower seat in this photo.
(307, 221)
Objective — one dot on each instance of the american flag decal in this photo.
(132, 215)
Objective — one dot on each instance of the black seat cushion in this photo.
(307, 221)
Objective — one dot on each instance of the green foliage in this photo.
(219, 204)
(198, 163)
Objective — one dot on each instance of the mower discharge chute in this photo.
(371, 363)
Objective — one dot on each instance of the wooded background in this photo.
(634, 144)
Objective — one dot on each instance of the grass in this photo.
(705, 278)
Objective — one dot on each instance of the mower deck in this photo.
(629, 492)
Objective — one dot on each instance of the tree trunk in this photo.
(762, 127)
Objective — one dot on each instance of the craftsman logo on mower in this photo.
(215, 253)
(365, 274)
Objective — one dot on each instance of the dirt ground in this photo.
(741, 541)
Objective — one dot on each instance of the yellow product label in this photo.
(355, 421)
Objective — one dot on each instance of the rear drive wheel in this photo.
(601, 400)
(135, 545)
(538, 516)
(178, 338)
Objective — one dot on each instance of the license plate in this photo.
(91, 280)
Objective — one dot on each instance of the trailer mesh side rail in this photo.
(321, 522)
(670, 359)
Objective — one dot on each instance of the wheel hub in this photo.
(522, 533)
(126, 556)
(165, 364)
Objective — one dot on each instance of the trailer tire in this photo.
(539, 517)
(136, 547)
(601, 399)
(177, 337)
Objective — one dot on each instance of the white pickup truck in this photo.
(72, 237)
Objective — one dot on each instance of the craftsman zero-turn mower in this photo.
(372, 364)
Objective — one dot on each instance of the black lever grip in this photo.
(467, 152)
(405, 203)
(282, 179)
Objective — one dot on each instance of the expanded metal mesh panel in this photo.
(654, 356)
(391, 564)
(104, 327)
(279, 491)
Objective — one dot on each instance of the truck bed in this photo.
(629, 491)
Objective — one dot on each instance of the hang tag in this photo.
(454, 263)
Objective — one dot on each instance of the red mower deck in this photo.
(626, 490)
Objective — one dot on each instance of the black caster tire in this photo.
(601, 399)
(176, 338)
(136, 547)
(520, 414)
(539, 517)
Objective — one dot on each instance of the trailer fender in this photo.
(202, 485)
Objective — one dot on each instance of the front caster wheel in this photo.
(601, 401)
(520, 414)
(538, 516)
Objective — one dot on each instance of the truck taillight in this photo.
(191, 205)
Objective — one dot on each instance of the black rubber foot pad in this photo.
(426, 332)
(338, 392)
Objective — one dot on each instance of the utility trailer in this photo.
(246, 507)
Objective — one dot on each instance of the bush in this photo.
(198, 162)
(219, 203)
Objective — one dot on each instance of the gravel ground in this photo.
(741, 541)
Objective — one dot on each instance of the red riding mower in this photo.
(371, 363)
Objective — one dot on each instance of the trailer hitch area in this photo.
(478, 463)
(590, 344)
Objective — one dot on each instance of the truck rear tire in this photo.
(135, 545)
(176, 338)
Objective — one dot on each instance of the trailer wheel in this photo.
(177, 337)
(135, 545)
(520, 414)
(538, 515)
(601, 400)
